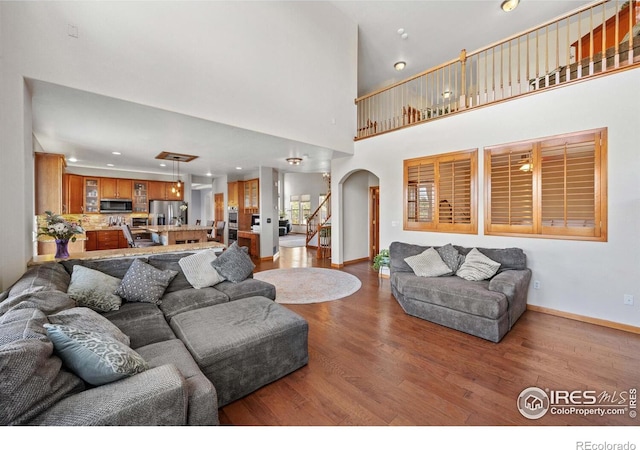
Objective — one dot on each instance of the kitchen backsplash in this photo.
(89, 221)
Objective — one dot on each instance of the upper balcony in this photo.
(595, 40)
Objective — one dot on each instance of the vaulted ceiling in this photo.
(69, 121)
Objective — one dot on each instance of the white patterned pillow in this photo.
(198, 270)
(428, 264)
(96, 358)
(94, 289)
(477, 267)
(144, 283)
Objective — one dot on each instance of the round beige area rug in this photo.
(309, 284)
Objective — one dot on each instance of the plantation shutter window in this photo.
(554, 187)
(440, 193)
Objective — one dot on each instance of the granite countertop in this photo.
(165, 228)
(128, 252)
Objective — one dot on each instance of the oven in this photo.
(233, 226)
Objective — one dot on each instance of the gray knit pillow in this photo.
(144, 283)
(234, 264)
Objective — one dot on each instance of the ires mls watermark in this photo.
(533, 402)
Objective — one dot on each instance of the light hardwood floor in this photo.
(371, 364)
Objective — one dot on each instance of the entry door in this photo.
(374, 226)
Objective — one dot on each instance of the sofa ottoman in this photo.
(243, 345)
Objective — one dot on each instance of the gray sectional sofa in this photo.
(486, 308)
(177, 345)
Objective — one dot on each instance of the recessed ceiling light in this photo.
(400, 30)
(116, 153)
(73, 159)
(509, 5)
(400, 65)
(208, 174)
(110, 165)
(238, 168)
(163, 165)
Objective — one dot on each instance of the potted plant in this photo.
(381, 260)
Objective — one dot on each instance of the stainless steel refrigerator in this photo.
(165, 212)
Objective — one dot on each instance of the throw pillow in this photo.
(428, 264)
(477, 267)
(94, 289)
(144, 283)
(94, 357)
(234, 264)
(451, 257)
(198, 270)
(87, 319)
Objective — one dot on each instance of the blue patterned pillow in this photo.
(234, 264)
(96, 358)
(144, 283)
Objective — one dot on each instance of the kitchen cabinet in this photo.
(73, 194)
(140, 198)
(161, 190)
(91, 243)
(232, 194)
(251, 196)
(91, 195)
(116, 188)
(49, 168)
(105, 240)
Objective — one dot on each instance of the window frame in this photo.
(435, 225)
(538, 229)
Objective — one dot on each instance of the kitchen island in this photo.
(128, 252)
(173, 234)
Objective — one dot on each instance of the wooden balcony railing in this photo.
(319, 217)
(594, 39)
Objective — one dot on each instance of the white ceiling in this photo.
(90, 127)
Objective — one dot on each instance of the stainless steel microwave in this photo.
(116, 205)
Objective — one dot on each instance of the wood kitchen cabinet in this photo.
(161, 190)
(232, 194)
(91, 243)
(73, 194)
(105, 240)
(91, 195)
(251, 196)
(140, 197)
(116, 188)
(49, 168)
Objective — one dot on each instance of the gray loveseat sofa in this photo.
(36, 388)
(487, 308)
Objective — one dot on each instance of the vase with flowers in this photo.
(178, 219)
(62, 231)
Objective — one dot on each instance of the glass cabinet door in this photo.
(140, 203)
(91, 195)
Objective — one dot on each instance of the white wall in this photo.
(228, 62)
(586, 278)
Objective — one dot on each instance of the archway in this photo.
(357, 215)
